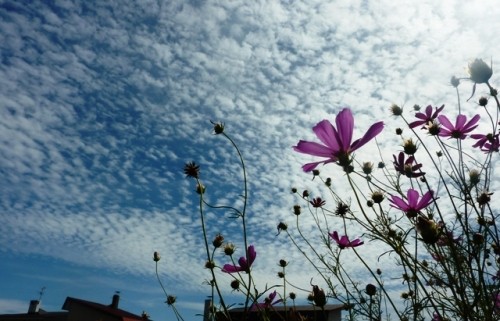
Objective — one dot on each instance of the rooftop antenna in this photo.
(42, 291)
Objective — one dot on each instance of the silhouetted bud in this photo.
(381, 165)
(367, 168)
(396, 110)
(283, 263)
(292, 295)
(409, 147)
(170, 299)
(377, 197)
(218, 240)
(192, 170)
(371, 289)
(305, 193)
(455, 81)
(315, 172)
(235, 284)
(399, 131)
(328, 182)
(281, 275)
(294, 190)
(483, 101)
(156, 256)
(296, 209)
(478, 238)
(319, 296)
(428, 230)
(479, 71)
(218, 127)
(209, 265)
(200, 189)
(229, 249)
(484, 198)
(282, 227)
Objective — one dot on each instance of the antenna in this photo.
(42, 291)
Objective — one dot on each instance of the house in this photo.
(331, 312)
(77, 310)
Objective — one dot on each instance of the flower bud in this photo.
(483, 101)
(294, 190)
(315, 172)
(416, 107)
(156, 256)
(170, 299)
(478, 238)
(367, 168)
(428, 230)
(281, 275)
(371, 289)
(296, 209)
(328, 182)
(381, 165)
(235, 284)
(218, 128)
(474, 177)
(209, 265)
(484, 198)
(218, 240)
(455, 81)
(396, 110)
(479, 71)
(292, 295)
(283, 263)
(282, 227)
(377, 197)
(200, 189)
(229, 249)
(192, 170)
(305, 194)
(399, 131)
(409, 147)
(319, 296)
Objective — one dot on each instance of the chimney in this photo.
(34, 306)
(116, 300)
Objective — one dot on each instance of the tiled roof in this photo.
(124, 315)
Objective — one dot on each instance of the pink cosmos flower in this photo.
(424, 119)
(337, 141)
(460, 129)
(268, 302)
(344, 242)
(408, 167)
(414, 205)
(487, 143)
(244, 265)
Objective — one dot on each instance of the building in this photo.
(77, 310)
(331, 312)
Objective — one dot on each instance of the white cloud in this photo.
(104, 105)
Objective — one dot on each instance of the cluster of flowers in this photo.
(438, 230)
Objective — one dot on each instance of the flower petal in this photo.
(326, 133)
(229, 268)
(373, 131)
(345, 128)
(445, 122)
(313, 148)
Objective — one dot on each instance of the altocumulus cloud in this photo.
(103, 103)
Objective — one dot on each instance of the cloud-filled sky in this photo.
(102, 104)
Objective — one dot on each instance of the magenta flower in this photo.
(414, 205)
(337, 142)
(426, 118)
(436, 317)
(487, 143)
(408, 167)
(344, 242)
(268, 302)
(317, 202)
(460, 129)
(244, 265)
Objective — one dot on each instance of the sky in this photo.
(103, 102)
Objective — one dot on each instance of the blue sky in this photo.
(102, 103)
